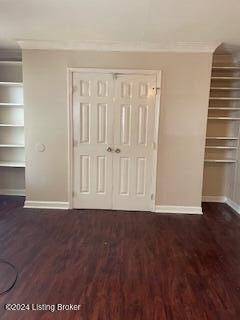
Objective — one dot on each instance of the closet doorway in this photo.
(114, 132)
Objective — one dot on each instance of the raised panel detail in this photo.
(102, 123)
(85, 88)
(124, 176)
(143, 90)
(141, 176)
(84, 122)
(142, 124)
(125, 124)
(84, 174)
(102, 88)
(101, 174)
(126, 90)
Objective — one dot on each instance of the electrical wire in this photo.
(2, 261)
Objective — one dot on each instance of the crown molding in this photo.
(119, 46)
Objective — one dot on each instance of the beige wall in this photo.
(184, 103)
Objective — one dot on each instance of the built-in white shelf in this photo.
(224, 108)
(11, 128)
(225, 78)
(15, 125)
(225, 88)
(11, 104)
(224, 118)
(11, 164)
(221, 147)
(220, 160)
(224, 98)
(222, 138)
(9, 83)
(11, 145)
(10, 62)
(226, 67)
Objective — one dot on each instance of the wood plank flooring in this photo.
(122, 265)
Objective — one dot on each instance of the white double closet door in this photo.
(114, 139)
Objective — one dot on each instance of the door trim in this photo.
(70, 72)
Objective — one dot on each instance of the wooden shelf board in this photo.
(221, 147)
(11, 145)
(223, 118)
(11, 164)
(220, 160)
(222, 138)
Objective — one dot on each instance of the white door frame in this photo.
(70, 72)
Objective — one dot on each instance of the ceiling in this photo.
(145, 23)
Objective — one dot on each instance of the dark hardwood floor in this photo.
(122, 266)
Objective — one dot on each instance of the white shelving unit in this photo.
(223, 115)
(12, 156)
(222, 153)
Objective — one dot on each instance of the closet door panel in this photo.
(133, 140)
(93, 120)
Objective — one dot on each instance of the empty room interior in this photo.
(119, 160)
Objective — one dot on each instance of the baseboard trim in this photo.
(222, 199)
(46, 205)
(233, 205)
(214, 199)
(178, 209)
(12, 192)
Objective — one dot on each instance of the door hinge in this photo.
(152, 196)
(75, 143)
(154, 145)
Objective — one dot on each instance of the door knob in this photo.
(109, 149)
(117, 150)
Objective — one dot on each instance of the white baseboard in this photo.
(214, 199)
(158, 209)
(46, 205)
(178, 209)
(12, 192)
(222, 199)
(233, 205)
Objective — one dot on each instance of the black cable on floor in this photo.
(2, 261)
